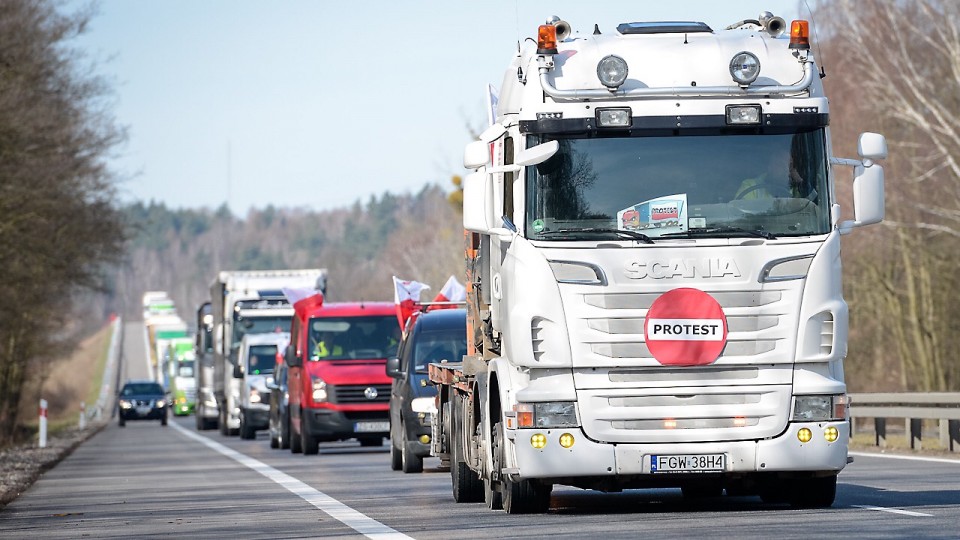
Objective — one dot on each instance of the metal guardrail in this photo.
(107, 390)
(913, 408)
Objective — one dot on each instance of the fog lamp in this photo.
(744, 67)
(612, 71)
(804, 435)
(743, 114)
(831, 434)
(566, 440)
(425, 439)
(538, 440)
(613, 118)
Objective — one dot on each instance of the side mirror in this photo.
(478, 202)
(291, 356)
(476, 155)
(271, 383)
(536, 155)
(872, 146)
(393, 368)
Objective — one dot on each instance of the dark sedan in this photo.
(142, 400)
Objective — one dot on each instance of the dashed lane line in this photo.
(364, 525)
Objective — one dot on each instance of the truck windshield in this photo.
(262, 359)
(258, 325)
(339, 338)
(185, 368)
(697, 185)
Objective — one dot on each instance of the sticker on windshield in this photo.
(660, 215)
(538, 225)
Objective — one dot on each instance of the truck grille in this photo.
(344, 394)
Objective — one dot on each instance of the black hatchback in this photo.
(142, 400)
(430, 337)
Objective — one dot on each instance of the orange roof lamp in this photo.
(547, 39)
(800, 35)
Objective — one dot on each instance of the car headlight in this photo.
(819, 408)
(254, 395)
(124, 404)
(319, 389)
(160, 403)
(423, 405)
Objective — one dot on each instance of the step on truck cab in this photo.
(336, 378)
(654, 276)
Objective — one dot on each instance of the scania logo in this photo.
(717, 267)
(370, 393)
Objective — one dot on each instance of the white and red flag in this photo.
(452, 291)
(303, 297)
(406, 295)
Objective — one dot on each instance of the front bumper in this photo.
(416, 426)
(134, 413)
(586, 458)
(258, 417)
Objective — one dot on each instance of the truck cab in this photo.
(338, 388)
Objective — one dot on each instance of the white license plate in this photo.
(687, 463)
(143, 411)
(370, 427)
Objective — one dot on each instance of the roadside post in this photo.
(43, 423)
(83, 415)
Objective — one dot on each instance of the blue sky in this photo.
(319, 104)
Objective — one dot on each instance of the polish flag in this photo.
(406, 295)
(452, 291)
(303, 298)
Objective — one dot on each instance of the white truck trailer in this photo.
(653, 259)
(248, 302)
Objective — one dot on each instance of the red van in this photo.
(338, 386)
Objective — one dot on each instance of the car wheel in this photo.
(311, 446)
(410, 462)
(396, 458)
(163, 420)
(121, 422)
(284, 436)
(246, 432)
(274, 436)
(296, 445)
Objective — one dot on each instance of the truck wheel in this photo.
(411, 463)
(467, 487)
(813, 492)
(246, 432)
(274, 435)
(311, 446)
(199, 418)
(524, 496)
(492, 495)
(222, 422)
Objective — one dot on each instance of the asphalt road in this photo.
(146, 480)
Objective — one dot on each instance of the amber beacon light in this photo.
(547, 39)
(800, 35)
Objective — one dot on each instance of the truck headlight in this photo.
(254, 395)
(548, 414)
(319, 390)
(744, 68)
(819, 408)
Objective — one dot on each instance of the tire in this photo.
(199, 418)
(222, 423)
(163, 420)
(296, 444)
(813, 492)
(284, 435)
(246, 432)
(396, 458)
(310, 444)
(121, 422)
(467, 486)
(524, 496)
(410, 462)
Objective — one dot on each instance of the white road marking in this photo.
(364, 525)
(891, 510)
(909, 458)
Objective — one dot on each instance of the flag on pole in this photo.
(452, 291)
(303, 298)
(406, 295)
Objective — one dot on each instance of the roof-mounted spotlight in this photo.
(744, 68)
(612, 71)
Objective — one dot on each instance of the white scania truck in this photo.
(653, 259)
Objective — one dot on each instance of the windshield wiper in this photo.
(634, 235)
(720, 232)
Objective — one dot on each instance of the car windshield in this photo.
(722, 184)
(436, 346)
(338, 338)
(262, 359)
(141, 389)
(185, 368)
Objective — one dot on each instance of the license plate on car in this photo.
(687, 463)
(370, 427)
(143, 411)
